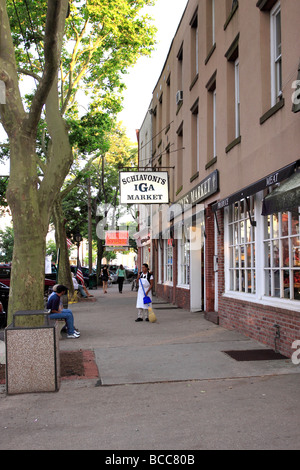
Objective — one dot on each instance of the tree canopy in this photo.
(67, 47)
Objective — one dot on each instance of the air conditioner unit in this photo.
(179, 97)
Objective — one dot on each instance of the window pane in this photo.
(236, 234)
(268, 283)
(268, 227)
(278, 34)
(236, 211)
(242, 209)
(286, 282)
(285, 224)
(275, 226)
(237, 261)
(237, 278)
(295, 252)
(297, 285)
(276, 260)
(242, 227)
(295, 222)
(248, 231)
(285, 253)
(268, 255)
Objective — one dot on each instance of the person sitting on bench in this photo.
(59, 313)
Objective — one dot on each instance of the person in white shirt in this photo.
(146, 279)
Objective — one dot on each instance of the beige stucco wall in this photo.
(263, 148)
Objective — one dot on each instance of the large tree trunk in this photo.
(29, 198)
(30, 220)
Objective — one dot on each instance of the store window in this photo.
(282, 255)
(262, 253)
(184, 261)
(168, 261)
(242, 247)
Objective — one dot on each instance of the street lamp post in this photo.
(78, 240)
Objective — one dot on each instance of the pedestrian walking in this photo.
(145, 280)
(104, 277)
(121, 277)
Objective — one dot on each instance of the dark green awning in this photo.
(284, 198)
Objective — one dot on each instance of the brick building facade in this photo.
(223, 125)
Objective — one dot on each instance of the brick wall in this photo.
(182, 298)
(257, 321)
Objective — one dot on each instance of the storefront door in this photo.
(216, 307)
(197, 268)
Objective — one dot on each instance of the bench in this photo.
(60, 324)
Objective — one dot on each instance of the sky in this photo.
(144, 75)
(142, 78)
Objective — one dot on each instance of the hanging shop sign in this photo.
(117, 238)
(144, 187)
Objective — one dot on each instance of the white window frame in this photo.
(160, 250)
(197, 49)
(168, 263)
(243, 249)
(198, 140)
(237, 97)
(215, 123)
(183, 262)
(213, 21)
(279, 238)
(260, 268)
(276, 59)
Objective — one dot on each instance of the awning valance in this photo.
(264, 183)
(284, 198)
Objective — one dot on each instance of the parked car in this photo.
(5, 271)
(129, 274)
(53, 274)
(113, 277)
(4, 295)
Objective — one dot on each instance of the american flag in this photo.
(79, 275)
(69, 243)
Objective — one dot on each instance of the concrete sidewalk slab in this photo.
(181, 346)
(181, 362)
(192, 408)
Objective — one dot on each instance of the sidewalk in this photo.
(180, 346)
(167, 385)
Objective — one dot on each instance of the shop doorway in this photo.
(216, 303)
(197, 242)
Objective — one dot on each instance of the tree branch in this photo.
(29, 73)
(81, 175)
(12, 113)
(55, 23)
